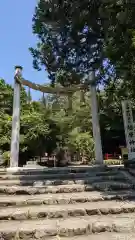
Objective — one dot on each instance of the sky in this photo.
(15, 39)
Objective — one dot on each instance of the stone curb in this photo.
(6, 176)
(70, 199)
(66, 211)
(73, 169)
(65, 228)
(73, 180)
(102, 236)
(39, 189)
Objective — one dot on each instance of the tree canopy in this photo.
(67, 44)
(75, 36)
(45, 127)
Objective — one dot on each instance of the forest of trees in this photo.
(75, 37)
(46, 126)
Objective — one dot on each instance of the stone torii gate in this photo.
(19, 80)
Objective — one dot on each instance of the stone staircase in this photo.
(76, 203)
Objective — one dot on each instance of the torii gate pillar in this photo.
(14, 155)
(95, 121)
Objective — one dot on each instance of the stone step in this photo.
(94, 176)
(132, 171)
(39, 189)
(65, 211)
(66, 198)
(102, 236)
(58, 170)
(41, 229)
(113, 185)
(47, 176)
(74, 180)
(30, 190)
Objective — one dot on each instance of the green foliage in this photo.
(111, 119)
(6, 158)
(69, 44)
(5, 130)
(48, 127)
(37, 130)
(82, 142)
(6, 95)
(85, 144)
(34, 129)
(6, 101)
(75, 36)
(76, 127)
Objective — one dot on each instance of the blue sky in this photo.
(15, 39)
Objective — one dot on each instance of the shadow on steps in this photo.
(107, 180)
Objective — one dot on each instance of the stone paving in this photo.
(78, 203)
